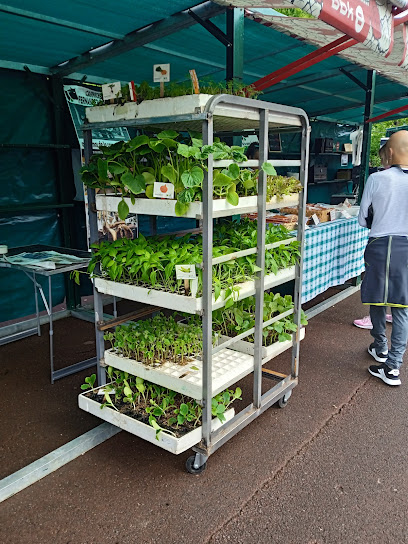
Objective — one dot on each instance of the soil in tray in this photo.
(140, 414)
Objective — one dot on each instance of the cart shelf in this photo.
(163, 207)
(184, 113)
(164, 440)
(184, 303)
(228, 367)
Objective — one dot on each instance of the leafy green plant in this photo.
(155, 341)
(130, 169)
(241, 317)
(89, 382)
(164, 409)
(151, 262)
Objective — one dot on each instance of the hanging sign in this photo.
(369, 22)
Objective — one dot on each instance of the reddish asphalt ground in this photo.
(330, 468)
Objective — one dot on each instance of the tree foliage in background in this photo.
(295, 12)
(378, 131)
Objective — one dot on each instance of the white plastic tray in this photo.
(225, 116)
(146, 432)
(228, 367)
(268, 352)
(185, 303)
(165, 207)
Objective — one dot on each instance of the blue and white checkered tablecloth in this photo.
(334, 253)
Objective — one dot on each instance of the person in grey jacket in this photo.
(384, 209)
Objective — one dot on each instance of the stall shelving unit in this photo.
(228, 362)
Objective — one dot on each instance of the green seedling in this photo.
(89, 382)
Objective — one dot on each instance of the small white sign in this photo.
(333, 215)
(315, 219)
(346, 214)
(186, 272)
(111, 90)
(163, 190)
(161, 72)
(344, 160)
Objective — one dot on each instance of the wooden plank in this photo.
(105, 325)
(274, 373)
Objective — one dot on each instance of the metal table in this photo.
(31, 272)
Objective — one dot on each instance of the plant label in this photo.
(345, 214)
(132, 91)
(315, 219)
(344, 160)
(332, 215)
(111, 90)
(194, 81)
(161, 72)
(186, 272)
(163, 190)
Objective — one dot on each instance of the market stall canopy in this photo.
(384, 48)
(75, 36)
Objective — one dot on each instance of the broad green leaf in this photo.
(169, 143)
(168, 172)
(181, 208)
(149, 177)
(197, 142)
(116, 168)
(183, 150)
(269, 169)
(217, 290)
(221, 180)
(123, 210)
(186, 196)
(193, 177)
(233, 198)
(103, 169)
(229, 303)
(149, 191)
(167, 134)
(233, 171)
(183, 409)
(127, 391)
(134, 143)
(136, 184)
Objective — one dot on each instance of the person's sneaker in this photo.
(388, 318)
(379, 357)
(388, 375)
(363, 323)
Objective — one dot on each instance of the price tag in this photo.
(332, 215)
(163, 190)
(315, 219)
(346, 214)
(186, 272)
(161, 72)
(111, 90)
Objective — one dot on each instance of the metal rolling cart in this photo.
(31, 272)
(222, 113)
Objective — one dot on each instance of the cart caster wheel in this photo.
(283, 401)
(191, 468)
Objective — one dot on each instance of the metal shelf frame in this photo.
(288, 117)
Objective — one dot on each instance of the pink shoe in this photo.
(364, 323)
(388, 318)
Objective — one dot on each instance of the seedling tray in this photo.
(268, 352)
(146, 432)
(187, 110)
(228, 367)
(185, 303)
(165, 207)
